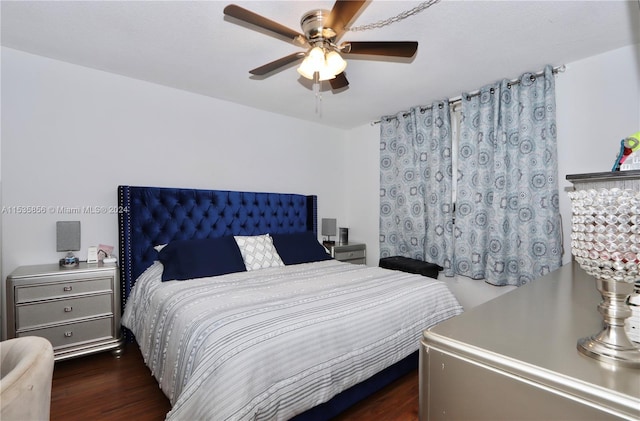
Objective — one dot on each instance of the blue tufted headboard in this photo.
(150, 216)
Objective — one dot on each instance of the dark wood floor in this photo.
(102, 388)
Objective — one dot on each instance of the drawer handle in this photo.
(68, 309)
(67, 288)
(68, 334)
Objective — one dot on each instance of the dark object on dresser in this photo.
(407, 264)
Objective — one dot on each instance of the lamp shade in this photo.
(329, 226)
(313, 62)
(326, 65)
(335, 63)
(67, 235)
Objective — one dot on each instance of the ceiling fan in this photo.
(322, 29)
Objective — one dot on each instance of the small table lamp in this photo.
(329, 228)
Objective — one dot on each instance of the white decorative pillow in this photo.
(258, 251)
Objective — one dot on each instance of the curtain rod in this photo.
(457, 100)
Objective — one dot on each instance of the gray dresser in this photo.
(77, 309)
(516, 358)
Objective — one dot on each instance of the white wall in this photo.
(598, 104)
(71, 135)
(363, 188)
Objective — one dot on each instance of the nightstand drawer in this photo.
(61, 289)
(350, 255)
(75, 333)
(42, 313)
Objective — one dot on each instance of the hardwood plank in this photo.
(396, 402)
(100, 387)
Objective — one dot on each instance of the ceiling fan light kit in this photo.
(326, 64)
(321, 28)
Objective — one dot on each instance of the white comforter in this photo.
(272, 343)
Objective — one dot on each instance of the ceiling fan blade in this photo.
(338, 82)
(277, 64)
(342, 13)
(253, 18)
(381, 48)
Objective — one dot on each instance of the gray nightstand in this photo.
(77, 309)
(349, 252)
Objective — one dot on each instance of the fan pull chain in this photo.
(407, 13)
(317, 93)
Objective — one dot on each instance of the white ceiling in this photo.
(190, 45)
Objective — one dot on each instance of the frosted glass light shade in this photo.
(335, 63)
(327, 66)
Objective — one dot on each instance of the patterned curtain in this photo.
(507, 226)
(415, 184)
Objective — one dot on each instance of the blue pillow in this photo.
(188, 259)
(301, 247)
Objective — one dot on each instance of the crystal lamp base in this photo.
(612, 345)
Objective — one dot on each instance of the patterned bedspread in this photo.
(273, 343)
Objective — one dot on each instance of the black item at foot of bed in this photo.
(407, 264)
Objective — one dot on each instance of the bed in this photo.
(296, 335)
